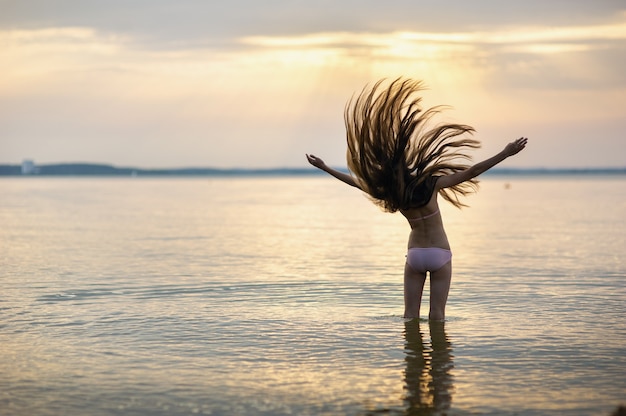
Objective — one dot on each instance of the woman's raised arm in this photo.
(319, 163)
(511, 149)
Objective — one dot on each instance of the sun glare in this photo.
(36, 55)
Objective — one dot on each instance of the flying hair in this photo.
(395, 150)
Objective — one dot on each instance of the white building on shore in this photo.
(28, 167)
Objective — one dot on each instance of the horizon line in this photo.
(29, 168)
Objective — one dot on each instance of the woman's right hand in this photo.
(516, 146)
(316, 161)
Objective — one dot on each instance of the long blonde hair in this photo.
(394, 152)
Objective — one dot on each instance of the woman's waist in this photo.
(426, 241)
(429, 249)
(426, 246)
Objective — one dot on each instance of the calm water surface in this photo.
(277, 296)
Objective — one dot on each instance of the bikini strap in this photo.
(425, 216)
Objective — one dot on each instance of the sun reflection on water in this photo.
(228, 297)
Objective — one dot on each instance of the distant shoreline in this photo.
(91, 169)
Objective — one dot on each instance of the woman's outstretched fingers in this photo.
(516, 146)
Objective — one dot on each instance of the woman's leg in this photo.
(439, 289)
(413, 288)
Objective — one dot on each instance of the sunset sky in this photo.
(155, 83)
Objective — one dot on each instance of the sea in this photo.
(283, 295)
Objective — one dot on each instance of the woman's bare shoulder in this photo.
(448, 181)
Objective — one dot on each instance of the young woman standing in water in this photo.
(403, 165)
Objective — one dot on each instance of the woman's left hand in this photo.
(315, 161)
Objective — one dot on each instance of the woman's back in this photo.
(426, 226)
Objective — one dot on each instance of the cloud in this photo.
(191, 22)
(568, 57)
(92, 91)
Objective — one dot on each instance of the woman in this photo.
(403, 164)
